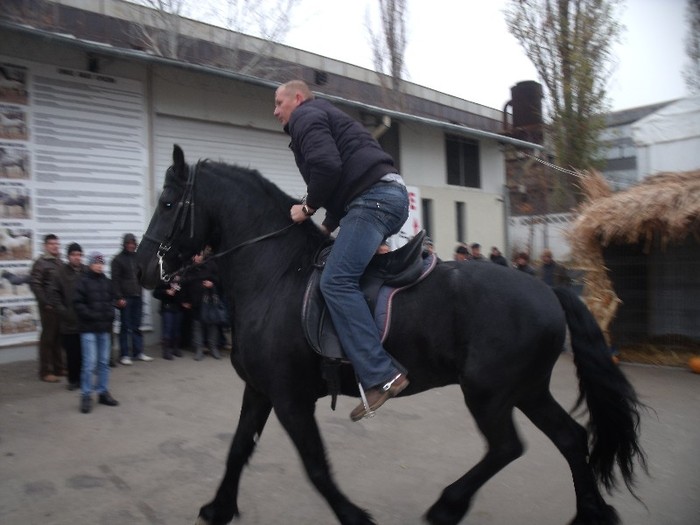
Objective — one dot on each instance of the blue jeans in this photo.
(172, 320)
(130, 319)
(204, 335)
(96, 348)
(372, 217)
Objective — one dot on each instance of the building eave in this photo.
(90, 46)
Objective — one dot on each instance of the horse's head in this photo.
(173, 236)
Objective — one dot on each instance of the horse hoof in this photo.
(201, 521)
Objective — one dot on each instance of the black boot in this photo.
(176, 348)
(166, 349)
(105, 398)
(85, 404)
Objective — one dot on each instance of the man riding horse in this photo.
(347, 173)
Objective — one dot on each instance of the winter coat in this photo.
(126, 283)
(61, 295)
(169, 303)
(337, 157)
(192, 283)
(41, 276)
(94, 302)
(526, 268)
(499, 259)
(554, 274)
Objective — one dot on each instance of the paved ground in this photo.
(156, 458)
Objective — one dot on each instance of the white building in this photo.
(96, 116)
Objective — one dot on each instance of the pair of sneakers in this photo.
(126, 360)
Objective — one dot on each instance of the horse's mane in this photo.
(257, 191)
(251, 178)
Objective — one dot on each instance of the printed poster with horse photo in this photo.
(13, 123)
(15, 243)
(14, 281)
(18, 319)
(15, 201)
(14, 161)
(13, 84)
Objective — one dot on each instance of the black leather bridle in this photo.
(185, 211)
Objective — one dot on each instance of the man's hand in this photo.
(297, 213)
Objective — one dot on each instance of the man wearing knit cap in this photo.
(94, 307)
(129, 302)
(61, 297)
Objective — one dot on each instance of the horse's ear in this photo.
(178, 156)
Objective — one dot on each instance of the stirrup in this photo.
(368, 412)
(387, 385)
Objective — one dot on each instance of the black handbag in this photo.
(213, 310)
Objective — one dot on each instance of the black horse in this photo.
(494, 331)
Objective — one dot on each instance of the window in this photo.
(462, 162)
(389, 141)
(460, 217)
(427, 214)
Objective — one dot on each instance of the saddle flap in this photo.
(390, 273)
(316, 322)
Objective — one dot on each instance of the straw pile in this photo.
(664, 207)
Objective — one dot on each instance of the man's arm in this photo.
(36, 283)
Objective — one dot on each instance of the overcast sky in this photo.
(463, 47)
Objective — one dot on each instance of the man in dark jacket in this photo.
(497, 257)
(551, 272)
(347, 173)
(522, 263)
(202, 280)
(129, 301)
(61, 298)
(50, 355)
(94, 306)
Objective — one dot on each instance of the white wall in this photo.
(545, 231)
(423, 164)
(669, 139)
(680, 155)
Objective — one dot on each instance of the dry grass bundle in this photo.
(664, 207)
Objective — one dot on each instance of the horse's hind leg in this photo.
(298, 420)
(572, 441)
(254, 413)
(493, 414)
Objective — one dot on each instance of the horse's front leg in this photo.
(297, 418)
(254, 413)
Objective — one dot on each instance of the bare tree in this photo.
(691, 72)
(159, 27)
(389, 41)
(254, 26)
(267, 20)
(570, 43)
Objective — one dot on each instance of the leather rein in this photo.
(186, 210)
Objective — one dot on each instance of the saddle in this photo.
(385, 276)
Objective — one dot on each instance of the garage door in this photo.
(265, 151)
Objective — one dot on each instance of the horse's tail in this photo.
(612, 403)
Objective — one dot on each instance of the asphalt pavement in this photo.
(159, 455)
